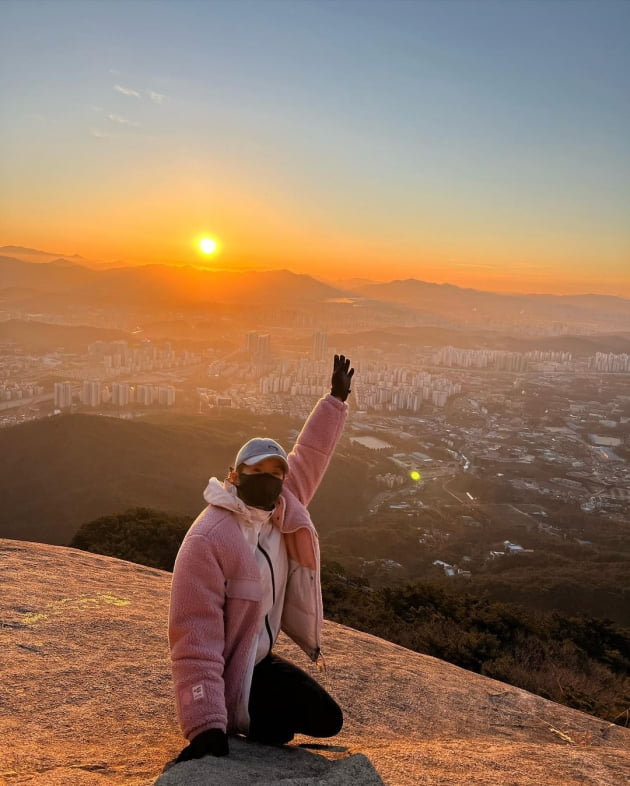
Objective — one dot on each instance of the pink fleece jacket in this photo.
(215, 610)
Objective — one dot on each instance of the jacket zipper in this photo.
(273, 596)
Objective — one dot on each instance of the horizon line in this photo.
(104, 266)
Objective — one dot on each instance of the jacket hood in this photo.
(223, 495)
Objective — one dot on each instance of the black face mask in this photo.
(260, 490)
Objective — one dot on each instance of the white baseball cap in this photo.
(258, 449)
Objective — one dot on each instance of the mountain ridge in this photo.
(417, 292)
(149, 283)
(67, 284)
(38, 254)
(354, 284)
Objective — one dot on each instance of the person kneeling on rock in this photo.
(249, 567)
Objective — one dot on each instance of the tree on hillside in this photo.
(142, 535)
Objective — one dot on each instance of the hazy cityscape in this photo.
(550, 423)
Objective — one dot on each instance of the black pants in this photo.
(285, 700)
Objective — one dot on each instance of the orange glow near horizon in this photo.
(256, 235)
(262, 225)
(343, 260)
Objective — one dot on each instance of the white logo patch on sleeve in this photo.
(198, 692)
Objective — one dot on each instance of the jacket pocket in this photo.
(243, 589)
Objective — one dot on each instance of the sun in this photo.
(208, 245)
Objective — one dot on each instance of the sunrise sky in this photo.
(484, 143)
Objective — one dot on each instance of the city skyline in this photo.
(482, 144)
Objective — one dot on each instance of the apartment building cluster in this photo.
(19, 391)
(116, 358)
(290, 384)
(610, 363)
(379, 387)
(403, 389)
(94, 394)
(258, 346)
(497, 359)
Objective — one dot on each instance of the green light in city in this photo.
(415, 475)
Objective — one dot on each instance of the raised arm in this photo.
(316, 443)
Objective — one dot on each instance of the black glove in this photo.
(341, 377)
(213, 742)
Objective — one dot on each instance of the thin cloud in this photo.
(157, 98)
(127, 91)
(96, 132)
(122, 120)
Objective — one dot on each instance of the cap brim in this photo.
(263, 456)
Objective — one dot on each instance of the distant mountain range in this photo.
(158, 285)
(448, 299)
(35, 255)
(62, 284)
